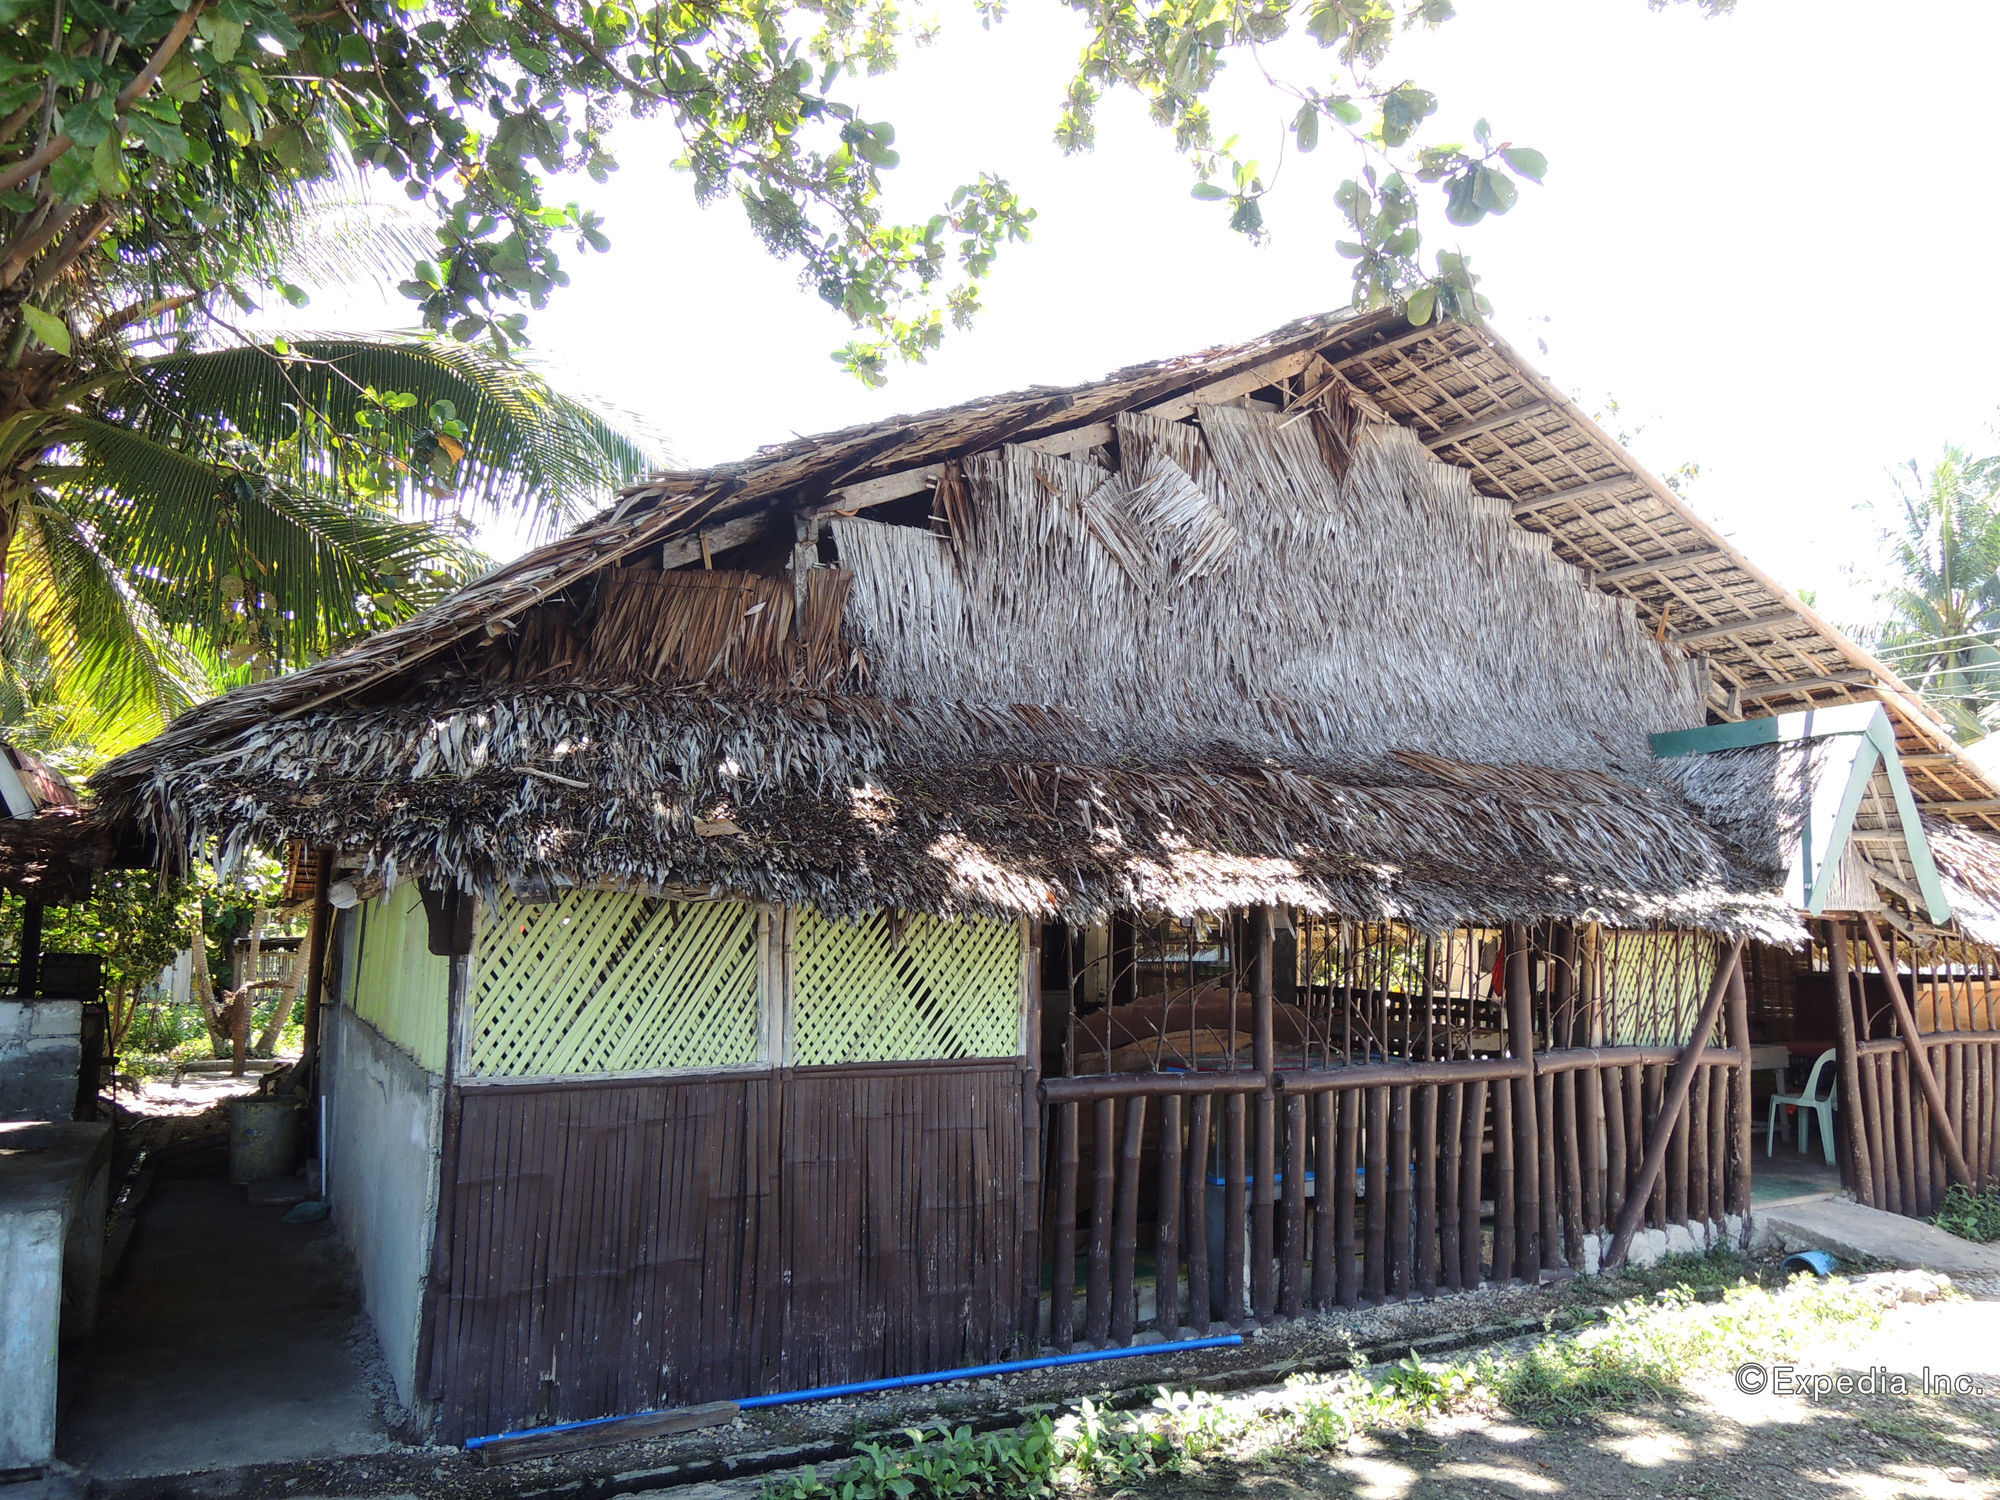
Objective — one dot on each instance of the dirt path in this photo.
(1722, 1444)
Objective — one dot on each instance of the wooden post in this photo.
(1200, 1294)
(1124, 1307)
(28, 975)
(1527, 1132)
(1738, 1038)
(1685, 1067)
(1572, 1167)
(1470, 1167)
(1327, 1185)
(1427, 1189)
(1103, 1191)
(318, 938)
(1920, 1065)
(1031, 1134)
(1401, 1281)
(1616, 1171)
(1062, 1293)
(1378, 1194)
(1503, 1181)
(1450, 1253)
(1346, 1273)
(1167, 1244)
(1263, 1190)
(1850, 1063)
(1292, 1265)
(1233, 1174)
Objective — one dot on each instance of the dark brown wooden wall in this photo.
(616, 1246)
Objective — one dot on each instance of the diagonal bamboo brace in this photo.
(1920, 1063)
(1671, 1105)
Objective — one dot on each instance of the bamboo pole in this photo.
(1850, 1062)
(1670, 1107)
(1527, 1136)
(1919, 1064)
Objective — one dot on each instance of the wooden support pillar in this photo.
(1030, 1309)
(1850, 1064)
(29, 977)
(1920, 1065)
(1263, 1191)
(1123, 983)
(1727, 982)
(1737, 1038)
(1526, 1122)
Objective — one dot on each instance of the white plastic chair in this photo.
(1810, 1099)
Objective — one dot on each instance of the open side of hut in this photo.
(1175, 852)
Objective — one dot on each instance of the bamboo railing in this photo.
(1417, 1178)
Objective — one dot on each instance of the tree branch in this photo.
(59, 146)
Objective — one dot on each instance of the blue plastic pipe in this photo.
(896, 1382)
(978, 1372)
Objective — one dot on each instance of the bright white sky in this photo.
(1769, 236)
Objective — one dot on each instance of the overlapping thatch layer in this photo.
(1270, 657)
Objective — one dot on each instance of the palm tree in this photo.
(181, 502)
(1943, 630)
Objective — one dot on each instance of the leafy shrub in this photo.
(945, 1464)
(1969, 1215)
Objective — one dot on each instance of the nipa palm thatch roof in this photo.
(1355, 617)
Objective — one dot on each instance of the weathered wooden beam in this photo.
(1535, 504)
(1920, 1063)
(1655, 565)
(1472, 427)
(1723, 630)
(682, 550)
(1671, 1104)
(1933, 758)
(1756, 692)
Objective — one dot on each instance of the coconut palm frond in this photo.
(249, 552)
(523, 448)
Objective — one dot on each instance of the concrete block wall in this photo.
(384, 1125)
(41, 1053)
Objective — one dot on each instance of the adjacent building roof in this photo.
(1355, 616)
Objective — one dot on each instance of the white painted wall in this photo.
(384, 1118)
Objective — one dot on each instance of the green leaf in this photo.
(1421, 306)
(1208, 192)
(107, 165)
(1307, 126)
(1526, 162)
(47, 327)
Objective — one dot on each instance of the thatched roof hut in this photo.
(1203, 634)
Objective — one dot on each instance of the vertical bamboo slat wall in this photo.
(1401, 1164)
(1892, 1154)
(631, 1244)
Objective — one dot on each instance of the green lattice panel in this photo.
(946, 990)
(401, 988)
(608, 982)
(1656, 984)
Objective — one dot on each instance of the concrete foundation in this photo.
(41, 1055)
(384, 1116)
(54, 1182)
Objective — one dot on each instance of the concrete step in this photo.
(1854, 1231)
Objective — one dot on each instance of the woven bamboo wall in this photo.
(900, 987)
(616, 1246)
(401, 988)
(612, 982)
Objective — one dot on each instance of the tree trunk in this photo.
(213, 1014)
(239, 1013)
(281, 1012)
